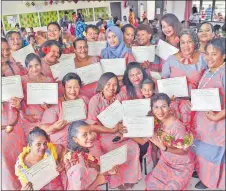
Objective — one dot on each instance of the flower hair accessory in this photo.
(46, 49)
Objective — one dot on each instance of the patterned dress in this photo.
(172, 171)
(210, 140)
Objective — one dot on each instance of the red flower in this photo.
(96, 161)
(46, 50)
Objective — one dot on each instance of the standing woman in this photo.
(108, 91)
(116, 47)
(210, 126)
(128, 31)
(205, 34)
(38, 148)
(187, 62)
(175, 166)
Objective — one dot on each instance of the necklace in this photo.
(199, 86)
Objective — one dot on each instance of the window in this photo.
(47, 17)
(9, 22)
(29, 20)
(211, 10)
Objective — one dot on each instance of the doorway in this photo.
(116, 9)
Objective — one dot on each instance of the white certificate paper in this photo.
(156, 75)
(64, 67)
(66, 56)
(11, 87)
(111, 115)
(164, 50)
(173, 86)
(39, 93)
(139, 126)
(117, 66)
(42, 173)
(90, 73)
(136, 108)
(144, 53)
(74, 110)
(205, 99)
(113, 158)
(20, 55)
(95, 48)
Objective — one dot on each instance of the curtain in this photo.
(187, 11)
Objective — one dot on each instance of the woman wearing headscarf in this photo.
(116, 48)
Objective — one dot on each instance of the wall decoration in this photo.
(47, 17)
(61, 14)
(101, 12)
(10, 22)
(29, 20)
(88, 14)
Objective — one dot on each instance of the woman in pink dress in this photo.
(205, 33)
(85, 173)
(175, 166)
(108, 91)
(83, 59)
(8, 65)
(32, 113)
(210, 126)
(38, 148)
(52, 119)
(190, 63)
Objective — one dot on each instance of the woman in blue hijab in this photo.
(116, 47)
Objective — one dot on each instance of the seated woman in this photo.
(38, 148)
(128, 31)
(9, 67)
(116, 47)
(52, 119)
(187, 62)
(83, 59)
(175, 166)
(49, 52)
(210, 126)
(85, 173)
(108, 91)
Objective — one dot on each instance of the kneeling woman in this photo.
(175, 166)
(38, 148)
(84, 174)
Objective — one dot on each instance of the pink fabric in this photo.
(16, 69)
(187, 11)
(129, 172)
(211, 174)
(138, 92)
(12, 144)
(129, 58)
(172, 171)
(55, 113)
(46, 71)
(80, 176)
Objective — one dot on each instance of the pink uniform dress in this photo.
(129, 172)
(36, 110)
(54, 114)
(193, 72)
(90, 89)
(12, 144)
(210, 139)
(20, 168)
(14, 69)
(172, 171)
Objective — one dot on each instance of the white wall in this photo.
(150, 10)
(177, 8)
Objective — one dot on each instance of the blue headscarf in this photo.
(115, 52)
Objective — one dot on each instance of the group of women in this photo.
(33, 132)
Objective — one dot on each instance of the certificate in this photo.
(95, 48)
(164, 49)
(90, 73)
(144, 53)
(139, 126)
(11, 87)
(39, 93)
(136, 108)
(113, 158)
(156, 75)
(42, 173)
(66, 56)
(74, 110)
(111, 115)
(205, 99)
(173, 86)
(64, 67)
(20, 55)
(117, 66)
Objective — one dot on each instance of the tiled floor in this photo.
(141, 184)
